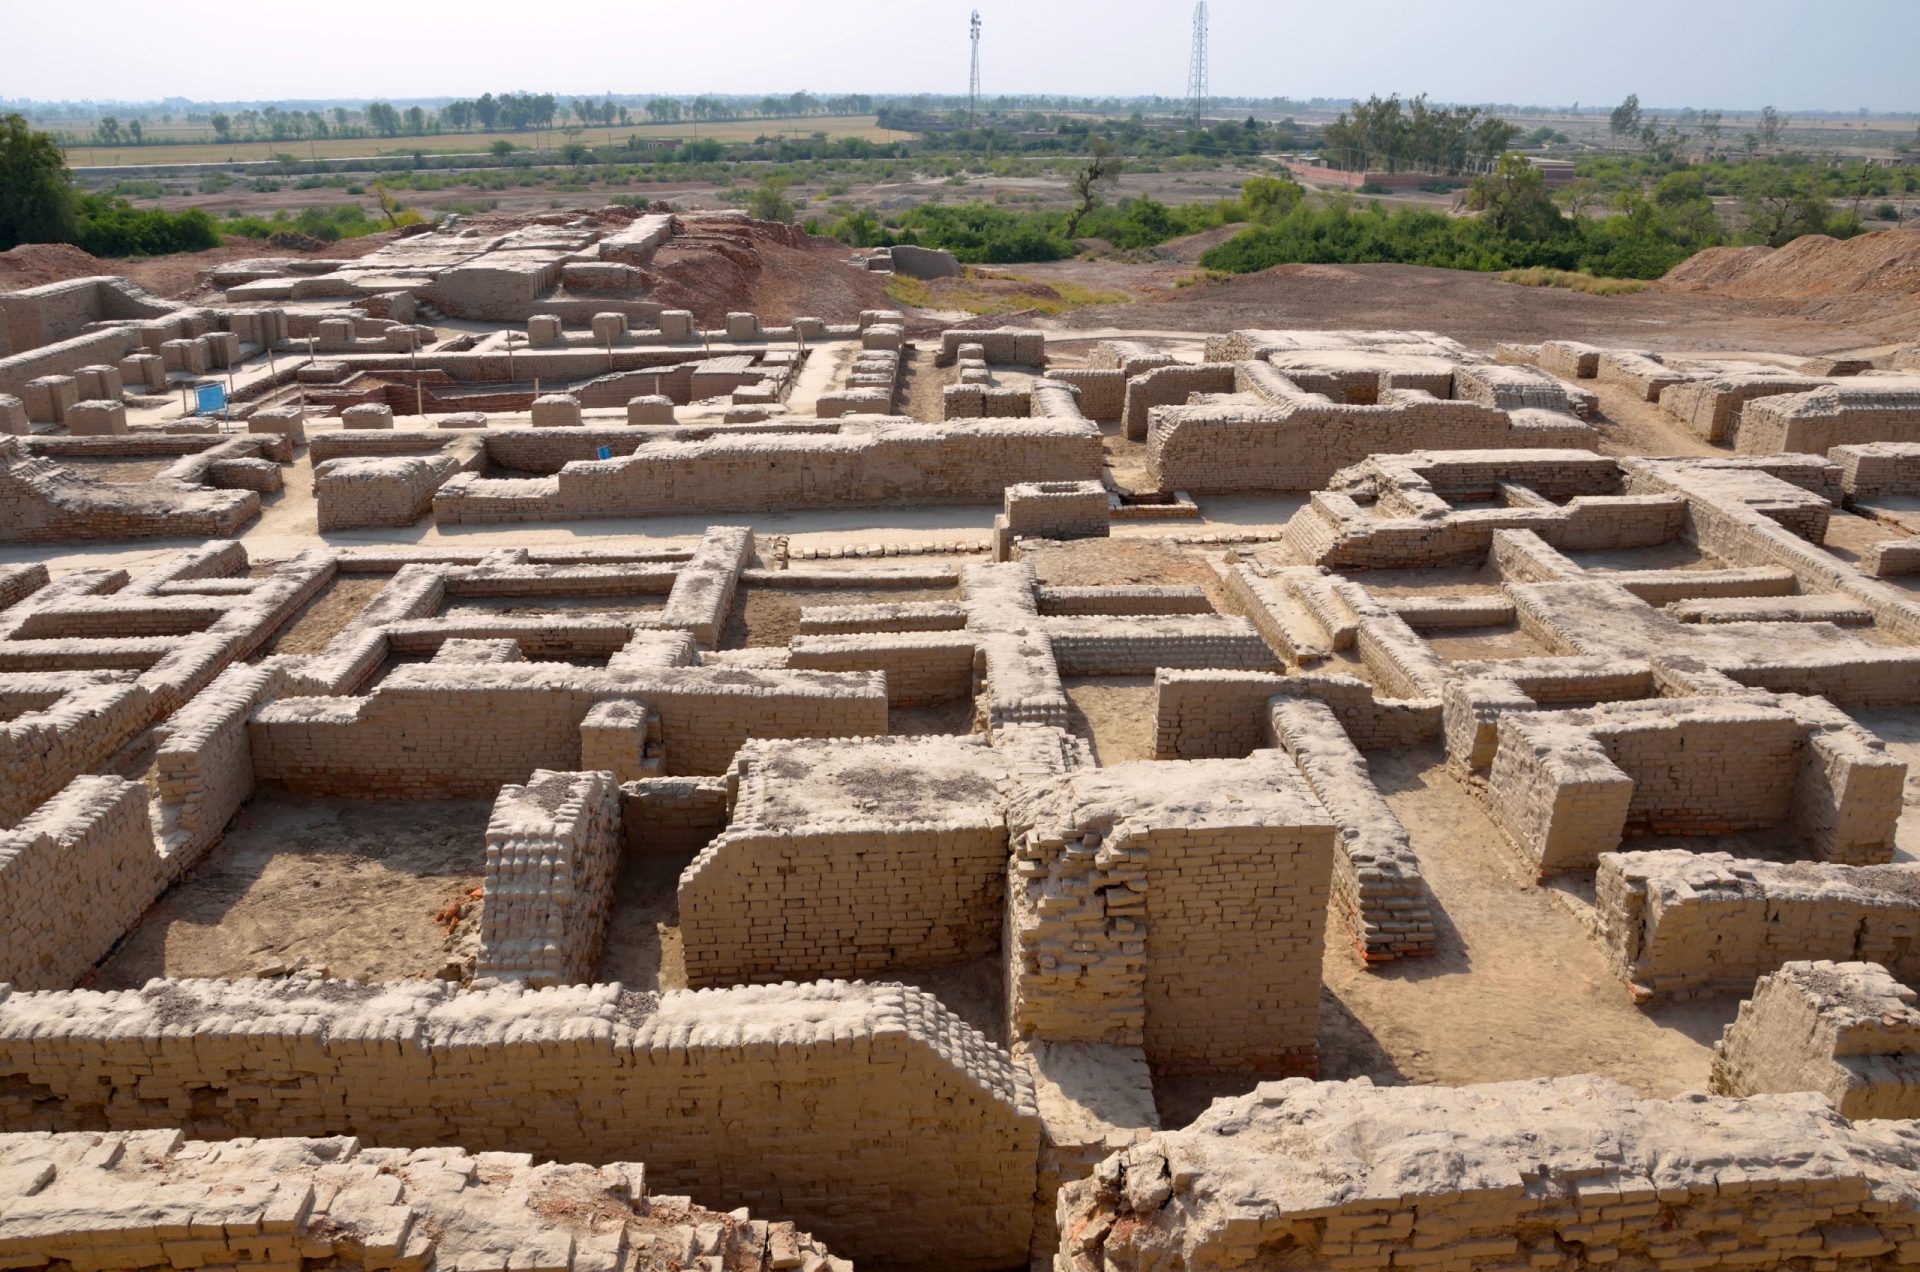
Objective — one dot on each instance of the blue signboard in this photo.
(209, 398)
(605, 452)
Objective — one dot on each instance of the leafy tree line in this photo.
(1641, 234)
(1383, 133)
(38, 204)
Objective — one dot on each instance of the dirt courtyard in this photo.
(361, 888)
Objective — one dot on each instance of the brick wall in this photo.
(1680, 923)
(1571, 1172)
(870, 1115)
(553, 854)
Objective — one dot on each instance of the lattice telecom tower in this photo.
(1197, 68)
(973, 80)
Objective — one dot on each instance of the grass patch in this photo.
(1574, 280)
(986, 294)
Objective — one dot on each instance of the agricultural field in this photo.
(200, 146)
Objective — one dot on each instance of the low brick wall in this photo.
(74, 878)
(154, 1199)
(1678, 923)
(1846, 1030)
(1134, 886)
(869, 1115)
(1377, 887)
(816, 875)
(1200, 714)
(553, 854)
(1573, 1172)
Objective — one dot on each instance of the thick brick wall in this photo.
(870, 1115)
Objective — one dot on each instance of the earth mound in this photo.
(1886, 263)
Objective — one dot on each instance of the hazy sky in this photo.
(1797, 54)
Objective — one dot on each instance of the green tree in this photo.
(501, 148)
(1513, 202)
(383, 119)
(1625, 120)
(770, 202)
(1267, 199)
(222, 126)
(36, 190)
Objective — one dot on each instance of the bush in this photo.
(329, 224)
(114, 227)
(1643, 244)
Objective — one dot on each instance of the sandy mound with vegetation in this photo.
(1882, 264)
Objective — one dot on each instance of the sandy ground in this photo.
(642, 949)
(770, 616)
(1480, 310)
(1115, 714)
(352, 886)
(1517, 988)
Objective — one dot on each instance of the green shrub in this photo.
(114, 227)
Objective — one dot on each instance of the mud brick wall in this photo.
(818, 874)
(859, 466)
(1022, 679)
(869, 1115)
(1481, 694)
(153, 1199)
(703, 591)
(1566, 785)
(1744, 535)
(1570, 359)
(1878, 468)
(1092, 1099)
(352, 493)
(1175, 911)
(61, 723)
(1057, 509)
(1137, 646)
(205, 764)
(74, 877)
(435, 731)
(1235, 918)
(1170, 386)
(1833, 415)
(1557, 1172)
(1103, 393)
(64, 357)
(922, 668)
(45, 502)
(672, 815)
(757, 905)
(1377, 886)
(553, 853)
(1677, 923)
(1642, 372)
(900, 616)
(1202, 714)
(1128, 599)
(1846, 1030)
(1012, 346)
(1712, 407)
(17, 582)
(1300, 443)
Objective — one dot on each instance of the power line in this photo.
(973, 80)
(1197, 65)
